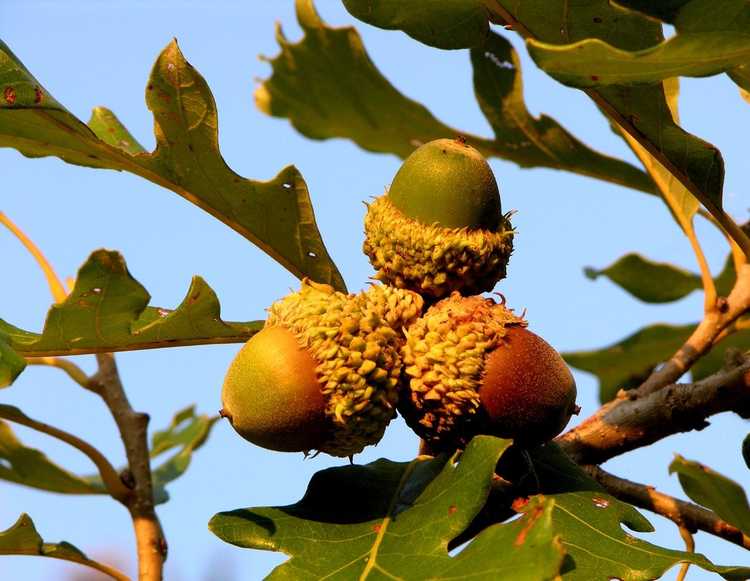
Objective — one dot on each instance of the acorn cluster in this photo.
(330, 370)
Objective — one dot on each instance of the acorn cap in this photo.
(447, 182)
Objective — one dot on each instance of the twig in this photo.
(636, 419)
(74, 372)
(53, 281)
(685, 514)
(704, 335)
(110, 477)
(150, 542)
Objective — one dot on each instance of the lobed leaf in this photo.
(327, 86)
(395, 520)
(23, 539)
(275, 215)
(714, 491)
(590, 521)
(107, 311)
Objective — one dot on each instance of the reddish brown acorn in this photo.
(471, 367)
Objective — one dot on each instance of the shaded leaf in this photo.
(714, 491)
(23, 539)
(31, 467)
(590, 521)
(106, 311)
(651, 282)
(11, 363)
(327, 86)
(627, 363)
(642, 111)
(746, 450)
(412, 511)
(187, 432)
(275, 215)
(447, 24)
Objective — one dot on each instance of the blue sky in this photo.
(89, 53)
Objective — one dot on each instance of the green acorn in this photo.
(323, 372)
(440, 227)
(471, 367)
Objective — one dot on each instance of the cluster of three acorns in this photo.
(329, 370)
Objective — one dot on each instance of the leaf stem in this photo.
(53, 281)
(133, 426)
(709, 287)
(689, 547)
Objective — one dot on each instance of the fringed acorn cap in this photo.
(440, 228)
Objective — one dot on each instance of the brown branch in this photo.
(684, 514)
(635, 419)
(150, 542)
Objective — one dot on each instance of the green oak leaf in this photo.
(627, 363)
(187, 432)
(23, 539)
(593, 63)
(447, 24)
(31, 467)
(641, 110)
(328, 87)
(106, 311)
(395, 520)
(659, 282)
(275, 215)
(11, 363)
(590, 521)
(651, 282)
(714, 491)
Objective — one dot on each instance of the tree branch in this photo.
(636, 419)
(704, 336)
(684, 514)
(150, 542)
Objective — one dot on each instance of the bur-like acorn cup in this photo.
(471, 367)
(440, 227)
(323, 373)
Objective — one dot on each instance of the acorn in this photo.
(440, 226)
(322, 375)
(471, 367)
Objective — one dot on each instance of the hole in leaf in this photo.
(5, 464)
(312, 254)
(286, 186)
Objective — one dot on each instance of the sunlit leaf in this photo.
(590, 523)
(23, 539)
(447, 24)
(412, 510)
(714, 491)
(327, 86)
(106, 311)
(275, 215)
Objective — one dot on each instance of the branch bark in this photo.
(150, 542)
(684, 514)
(635, 419)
